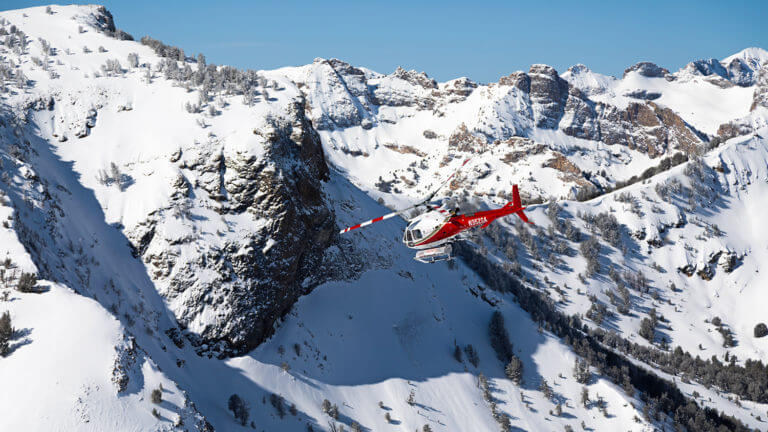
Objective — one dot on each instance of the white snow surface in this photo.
(390, 331)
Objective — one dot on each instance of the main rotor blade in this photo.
(366, 223)
(381, 218)
(432, 195)
(424, 203)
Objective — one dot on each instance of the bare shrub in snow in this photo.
(277, 402)
(112, 67)
(113, 177)
(133, 60)
(332, 410)
(192, 108)
(472, 355)
(157, 395)
(27, 283)
(546, 389)
(239, 408)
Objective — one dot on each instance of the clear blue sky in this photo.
(448, 39)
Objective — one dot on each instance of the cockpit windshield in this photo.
(413, 235)
(422, 227)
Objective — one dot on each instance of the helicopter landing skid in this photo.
(440, 253)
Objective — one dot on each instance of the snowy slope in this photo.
(140, 257)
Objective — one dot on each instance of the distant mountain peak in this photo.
(751, 55)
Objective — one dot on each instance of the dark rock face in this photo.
(461, 88)
(104, 19)
(548, 95)
(648, 69)
(416, 78)
(643, 95)
(463, 140)
(735, 128)
(707, 67)
(252, 279)
(740, 73)
(642, 126)
(521, 80)
(545, 100)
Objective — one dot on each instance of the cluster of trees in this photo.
(472, 356)
(9, 72)
(597, 311)
(728, 340)
(208, 77)
(504, 349)
(590, 250)
(329, 409)
(501, 418)
(664, 165)
(113, 177)
(239, 408)
(500, 338)
(112, 67)
(545, 245)
(607, 352)
(278, 404)
(628, 198)
(562, 225)
(15, 39)
(606, 224)
(581, 371)
(648, 326)
(668, 189)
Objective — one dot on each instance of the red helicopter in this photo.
(433, 231)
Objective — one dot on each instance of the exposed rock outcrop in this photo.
(247, 281)
(648, 69)
(548, 95)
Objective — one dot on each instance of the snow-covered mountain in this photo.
(182, 220)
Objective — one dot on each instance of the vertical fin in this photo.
(516, 202)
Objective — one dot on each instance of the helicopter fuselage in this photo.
(437, 227)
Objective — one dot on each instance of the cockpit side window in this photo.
(416, 235)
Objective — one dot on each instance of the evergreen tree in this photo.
(239, 409)
(6, 333)
(27, 282)
(499, 337)
(157, 395)
(546, 389)
(581, 371)
(514, 370)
